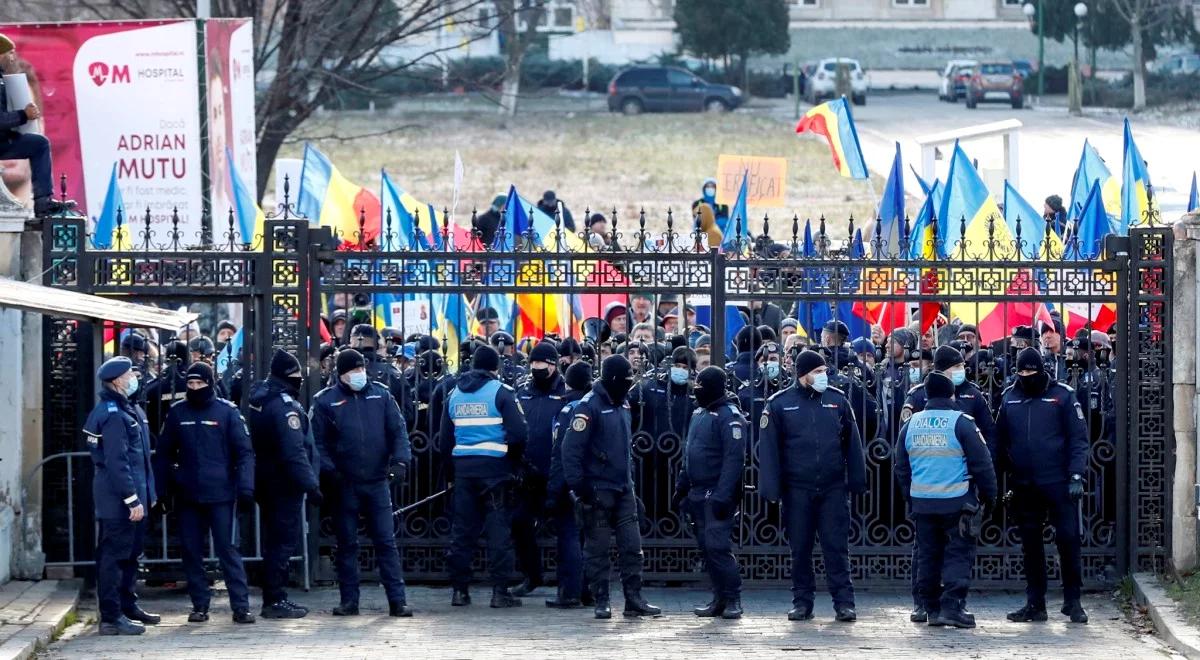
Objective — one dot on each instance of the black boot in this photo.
(733, 609)
(136, 613)
(460, 598)
(800, 613)
(527, 586)
(957, 619)
(1029, 613)
(198, 616)
(561, 603)
(122, 626)
(603, 611)
(346, 609)
(715, 608)
(239, 616)
(284, 609)
(502, 597)
(586, 597)
(636, 605)
(845, 614)
(1074, 609)
(919, 614)
(399, 609)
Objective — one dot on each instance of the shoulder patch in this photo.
(764, 421)
(293, 422)
(287, 398)
(579, 424)
(112, 407)
(736, 430)
(906, 414)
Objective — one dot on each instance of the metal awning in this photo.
(30, 297)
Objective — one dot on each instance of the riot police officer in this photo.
(558, 502)
(811, 457)
(285, 470)
(597, 459)
(483, 442)
(945, 472)
(709, 488)
(208, 466)
(122, 491)
(363, 443)
(541, 398)
(1042, 444)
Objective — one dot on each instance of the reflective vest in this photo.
(939, 466)
(478, 425)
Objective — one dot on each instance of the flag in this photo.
(923, 246)
(891, 208)
(1193, 197)
(925, 187)
(229, 352)
(833, 120)
(106, 232)
(1092, 169)
(813, 314)
(331, 200)
(1135, 186)
(1087, 239)
(735, 233)
(249, 215)
(409, 214)
(1020, 213)
(734, 322)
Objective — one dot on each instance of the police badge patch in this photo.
(579, 424)
(1079, 411)
(762, 422)
(905, 414)
(293, 422)
(736, 432)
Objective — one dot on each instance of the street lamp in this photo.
(1076, 97)
(1030, 11)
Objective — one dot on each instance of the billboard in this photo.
(129, 94)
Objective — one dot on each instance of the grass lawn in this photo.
(1186, 592)
(589, 157)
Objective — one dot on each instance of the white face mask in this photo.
(820, 382)
(958, 376)
(131, 386)
(358, 380)
(772, 369)
(679, 375)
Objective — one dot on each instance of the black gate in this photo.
(559, 280)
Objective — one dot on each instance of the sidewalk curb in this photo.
(1166, 616)
(50, 621)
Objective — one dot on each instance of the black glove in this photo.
(585, 493)
(245, 500)
(161, 507)
(1075, 488)
(316, 497)
(398, 473)
(989, 505)
(679, 496)
(721, 510)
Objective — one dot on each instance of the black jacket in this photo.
(285, 455)
(557, 484)
(809, 440)
(120, 444)
(597, 449)
(1041, 439)
(657, 407)
(714, 457)
(541, 408)
(359, 435)
(205, 453)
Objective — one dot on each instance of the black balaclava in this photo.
(579, 376)
(710, 386)
(1035, 384)
(286, 368)
(201, 397)
(616, 376)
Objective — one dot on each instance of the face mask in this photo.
(1034, 384)
(914, 375)
(710, 192)
(541, 376)
(772, 369)
(358, 380)
(131, 386)
(679, 375)
(958, 377)
(201, 396)
(617, 389)
(294, 382)
(820, 382)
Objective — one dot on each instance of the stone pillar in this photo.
(13, 217)
(1185, 484)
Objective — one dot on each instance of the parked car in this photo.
(822, 83)
(996, 82)
(668, 89)
(1025, 68)
(954, 80)
(1178, 64)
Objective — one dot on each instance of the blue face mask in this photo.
(958, 377)
(131, 386)
(679, 375)
(710, 194)
(820, 382)
(914, 375)
(358, 380)
(772, 369)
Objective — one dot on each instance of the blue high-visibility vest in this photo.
(939, 466)
(478, 424)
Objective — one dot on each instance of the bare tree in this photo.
(515, 43)
(1146, 17)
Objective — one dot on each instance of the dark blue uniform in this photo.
(285, 466)
(597, 459)
(483, 434)
(944, 469)
(360, 437)
(118, 436)
(558, 502)
(657, 407)
(163, 393)
(1041, 441)
(713, 463)
(744, 369)
(208, 464)
(810, 457)
(541, 406)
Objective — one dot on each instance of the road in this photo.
(1050, 143)
(439, 631)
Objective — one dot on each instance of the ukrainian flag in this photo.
(1135, 186)
(1092, 169)
(1033, 226)
(106, 232)
(736, 232)
(834, 120)
(331, 200)
(249, 215)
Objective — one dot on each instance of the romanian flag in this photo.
(331, 200)
(923, 246)
(890, 218)
(1092, 169)
(112, 226)
(249, 214)
(1135, 186)
(833, 120)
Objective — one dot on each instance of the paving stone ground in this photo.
(439, 631)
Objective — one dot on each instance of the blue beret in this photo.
(114, 368)
(862, 345)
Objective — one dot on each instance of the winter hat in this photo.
(748, 339)
(710, 386)
(348, 360)
(544, 352)
(485, 358)
(938, 386)
(579, 376)
(284, 364)
(1030, 358)
(807, 361)
(946, 357)
(200, 371)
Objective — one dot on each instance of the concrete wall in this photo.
(1186, 301)
(12, 393)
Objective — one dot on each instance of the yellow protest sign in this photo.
(767, 185)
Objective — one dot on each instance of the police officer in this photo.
(892, 382)
(747, 340)
(285, 469)
(483, 437)
(770, 379)
(597, 458)
(709, 488)
(945, 473)
(810, 457)
(168, 388)
(541, 398)
(208, 465)
(363, 443)
(558, 501)
(662, 402)
(122, 491)
(364, 338)
(1042, 443)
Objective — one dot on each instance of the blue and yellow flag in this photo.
(1092, 169)
(1135, 186)
(249, 215)
(105, 233)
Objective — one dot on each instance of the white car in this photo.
(823, 81)
(954, 78)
